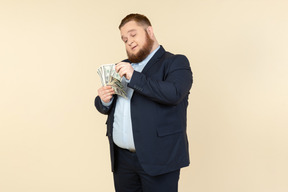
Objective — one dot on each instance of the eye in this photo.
(133, 34)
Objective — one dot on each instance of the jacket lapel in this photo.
(156, 57)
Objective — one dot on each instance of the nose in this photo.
(130, 42)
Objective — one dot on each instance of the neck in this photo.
(155, 46)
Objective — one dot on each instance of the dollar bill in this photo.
(109, 76)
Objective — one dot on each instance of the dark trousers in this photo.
(130, 177)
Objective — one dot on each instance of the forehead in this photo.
(129, 27)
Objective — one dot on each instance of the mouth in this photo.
(133, 48)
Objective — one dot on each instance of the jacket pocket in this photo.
(168, 121)
(161, 132)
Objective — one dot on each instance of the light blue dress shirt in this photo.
(122, 126)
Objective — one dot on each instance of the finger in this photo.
(106, 97)
(107, 87)
(121, 72)
(121, 65)
(118, 68)
(107, 90)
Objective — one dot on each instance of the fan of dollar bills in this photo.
(109, 76)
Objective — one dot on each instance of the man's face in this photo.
(137, 41)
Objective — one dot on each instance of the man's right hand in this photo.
(106, 93)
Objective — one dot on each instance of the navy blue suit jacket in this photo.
(158, 112)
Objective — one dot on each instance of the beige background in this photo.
(53, 139)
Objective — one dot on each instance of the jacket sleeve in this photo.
(172, 88)
(100, 107)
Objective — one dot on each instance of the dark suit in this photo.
(158, 112)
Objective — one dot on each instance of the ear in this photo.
(150, 31)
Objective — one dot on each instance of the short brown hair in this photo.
(140, 19)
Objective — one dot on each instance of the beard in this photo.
(143, 52)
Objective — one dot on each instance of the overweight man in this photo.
(147, 129)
